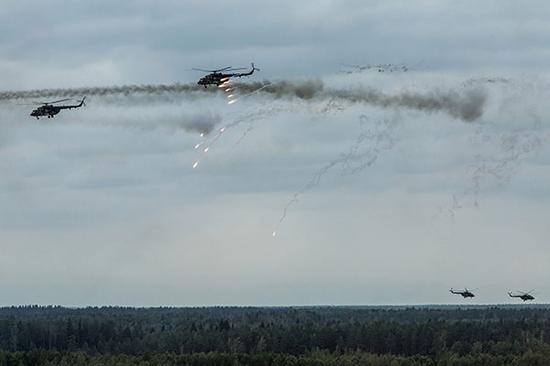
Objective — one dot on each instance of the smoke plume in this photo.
(466, 105)
(126, 90)
(201, 123)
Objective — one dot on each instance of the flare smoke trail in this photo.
(501, 157)
(376, 137)
(264, 110)
(467, 105)
(512, 148)
(246, 118)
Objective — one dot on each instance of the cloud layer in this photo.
(401, 184)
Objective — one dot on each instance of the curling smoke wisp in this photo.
(376, 136)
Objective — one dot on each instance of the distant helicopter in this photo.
(217, 77)
(465, 294)
(525, 296)
(49, 110)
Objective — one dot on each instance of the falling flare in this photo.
(196, 164)
(206, 149)
(228, 89)
(230, 96)
(197, 146)
(232, 101)
(202, 134)
(274, 234)
(222, 129)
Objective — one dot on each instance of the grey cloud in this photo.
(150, 43)
(92, 210)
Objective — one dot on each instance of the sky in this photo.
(378, 190)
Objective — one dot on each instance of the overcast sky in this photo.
(102, 205)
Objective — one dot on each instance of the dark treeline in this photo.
(47, 358)
(35, 335)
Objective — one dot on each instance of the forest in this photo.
(377, 336)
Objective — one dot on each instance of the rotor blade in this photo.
(216, 70)
(57, 101)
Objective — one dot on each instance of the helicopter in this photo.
(525, 296)
(465, 294)
(49, 110)
(217, 77)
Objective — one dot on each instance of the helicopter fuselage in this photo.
(218, 78)
(524, 297)
(45, 111)
(215, 78)
(464, 294)
(49, 110)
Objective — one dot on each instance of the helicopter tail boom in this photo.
(74, 105)
(253, 68)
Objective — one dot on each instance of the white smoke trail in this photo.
(247, 117)
(504, 153)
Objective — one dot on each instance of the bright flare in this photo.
(196, 164)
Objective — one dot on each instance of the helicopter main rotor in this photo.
(57, 101)
(229, 68)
